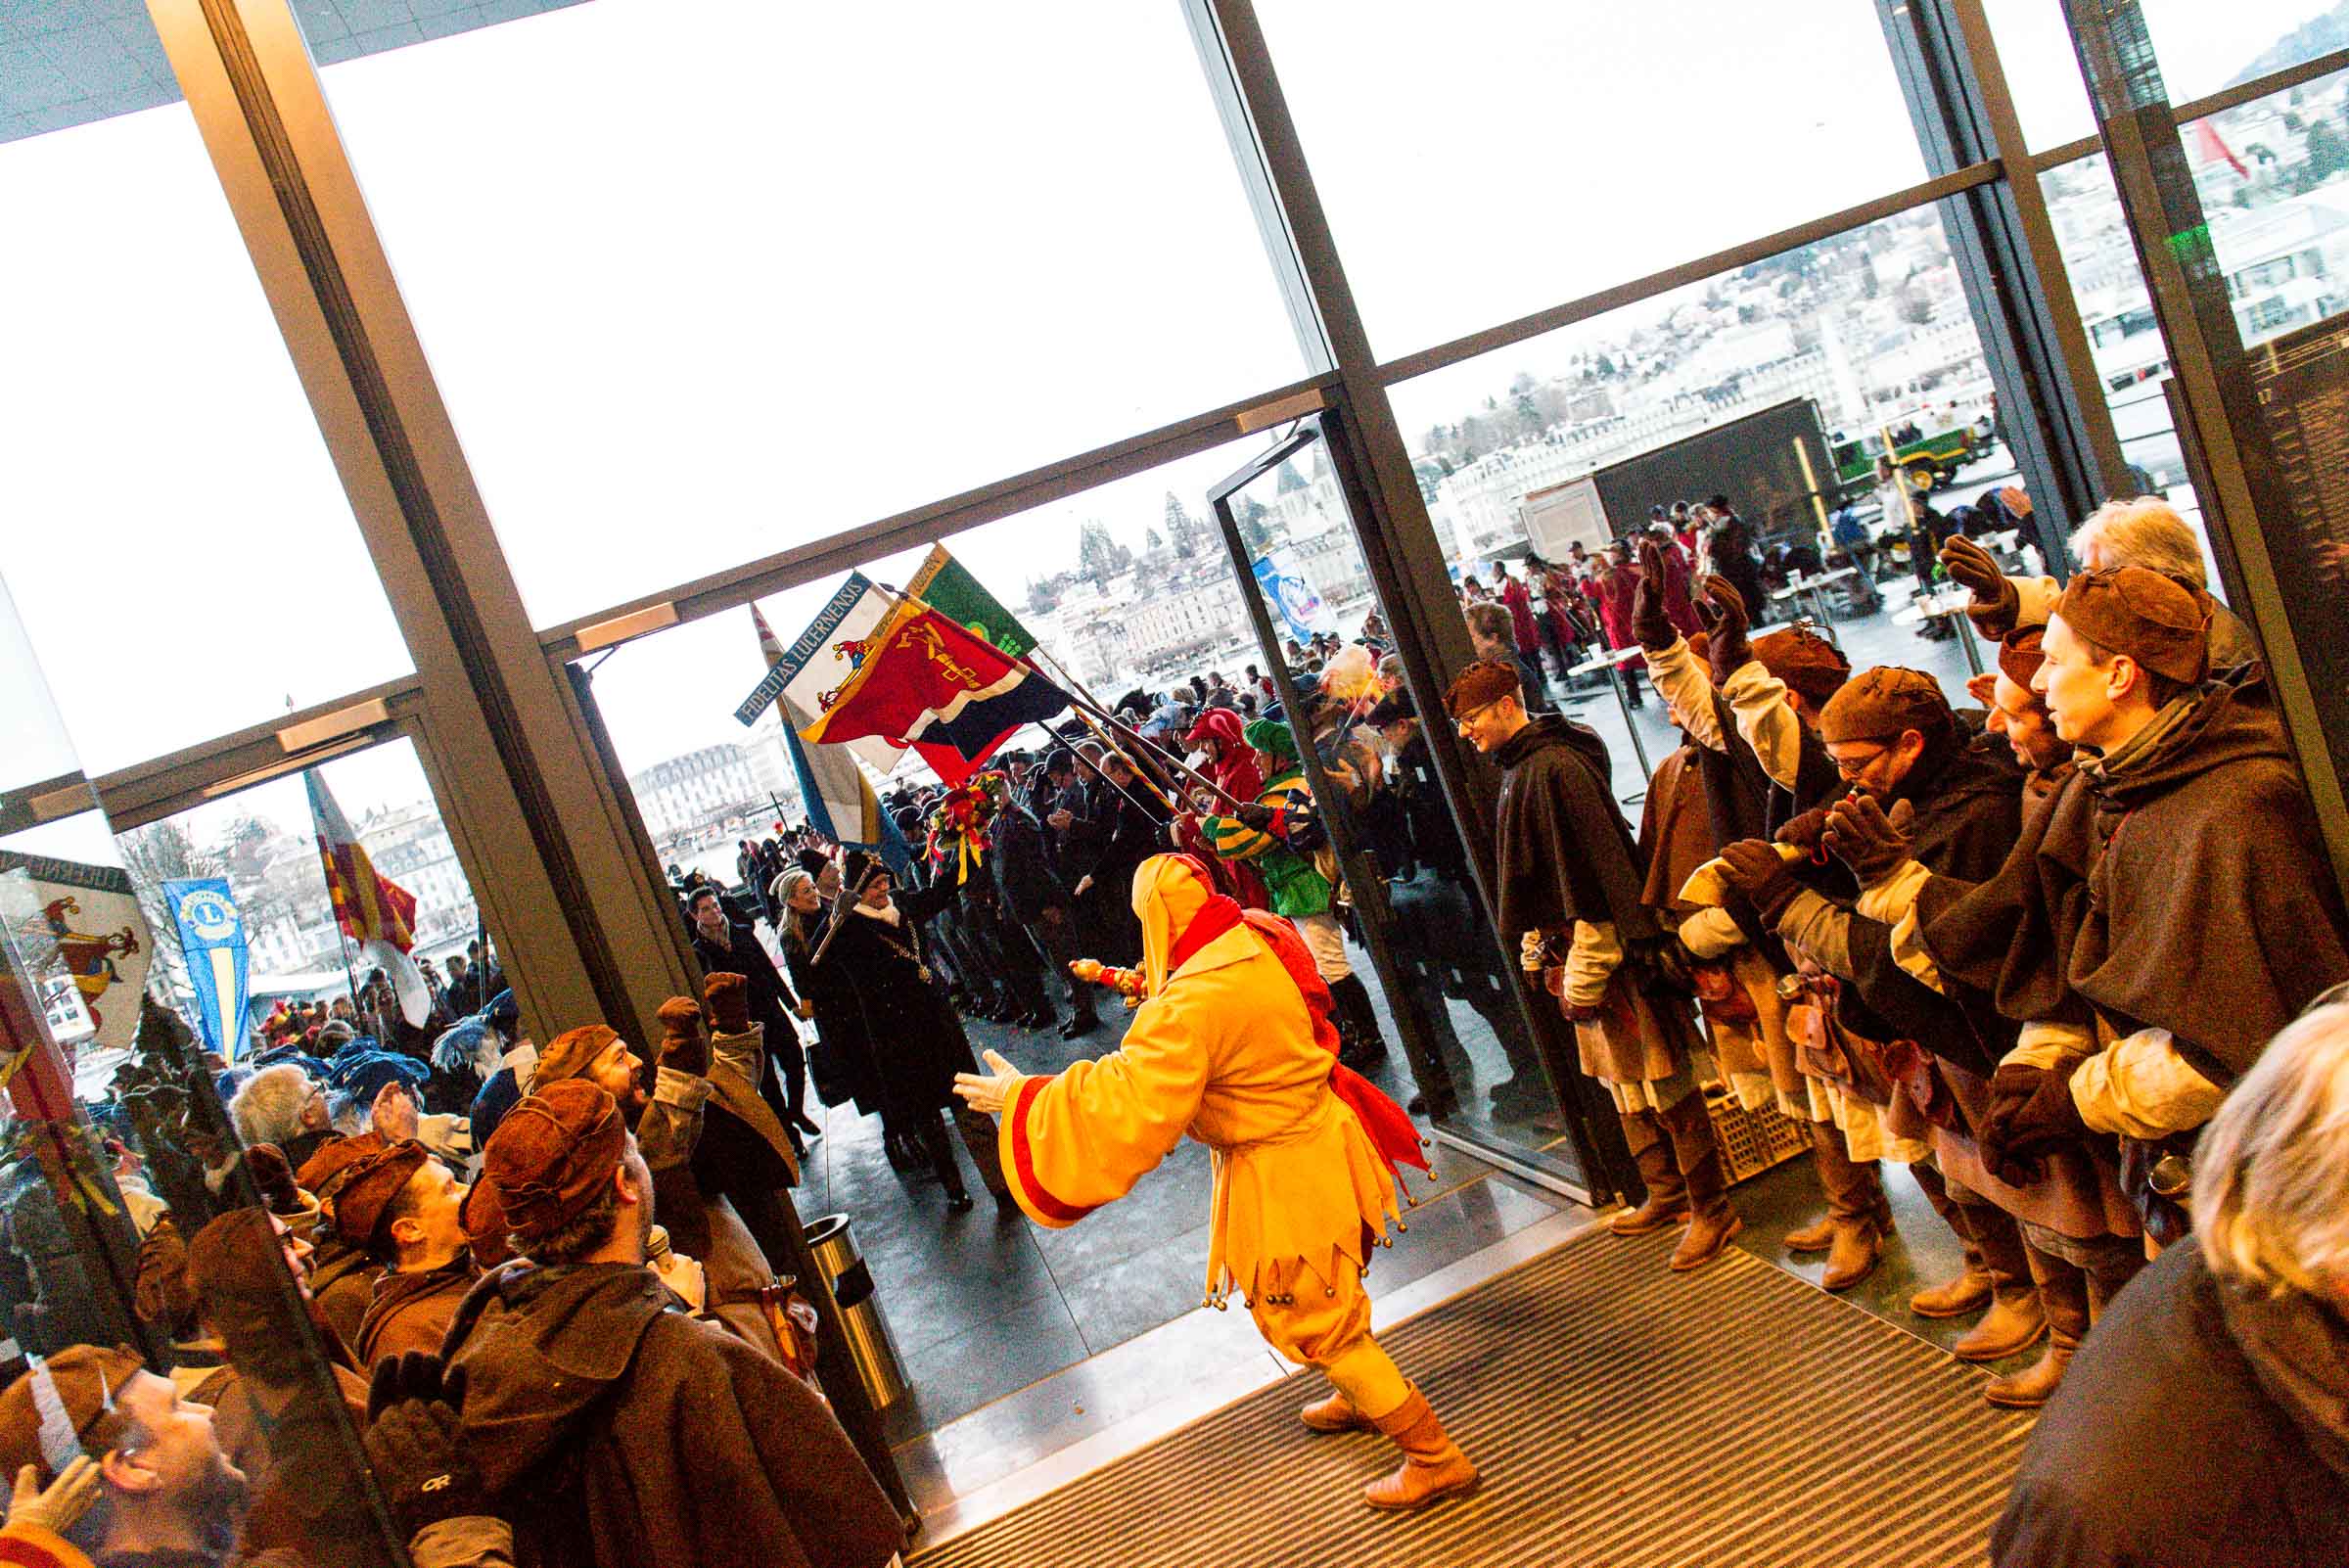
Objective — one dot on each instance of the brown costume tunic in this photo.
(412, 1311)
(1567, 856)
(613, 1430)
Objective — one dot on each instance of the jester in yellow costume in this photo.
(1232, 1044)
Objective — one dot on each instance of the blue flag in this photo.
(211, 938)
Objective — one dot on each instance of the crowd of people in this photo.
(531, 1303)
(2029, 951)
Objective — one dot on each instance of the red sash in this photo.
(1388, 1124)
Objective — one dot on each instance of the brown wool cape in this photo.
(2187, 891)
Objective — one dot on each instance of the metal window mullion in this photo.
(927, 524)
(2213, 373)
(2218, 103)
(1598, 304)
(489, 701)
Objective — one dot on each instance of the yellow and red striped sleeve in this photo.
(1083, 1136)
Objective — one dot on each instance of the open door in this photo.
(1415, 922)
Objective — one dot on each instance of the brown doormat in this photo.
(1736, 1418)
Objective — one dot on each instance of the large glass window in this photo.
(2274, 178)
(1129, 592)
(704, 280)
(1508, 154)
(2204, 49)
(177, 541)
(1850, 346)
(150, 1252)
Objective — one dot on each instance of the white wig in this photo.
(2272, 1172)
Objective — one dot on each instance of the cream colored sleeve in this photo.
(2141, 1088)
(1765, 719)
(2044, 1044)
(1710, 933)
(1893, 902)
(1591, 962)
(1686, 688)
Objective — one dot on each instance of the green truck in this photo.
(1930, 455)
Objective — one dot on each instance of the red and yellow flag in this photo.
(369, 907)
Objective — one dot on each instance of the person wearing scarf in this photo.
(1233, 1044)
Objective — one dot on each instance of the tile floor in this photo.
(980, 1306)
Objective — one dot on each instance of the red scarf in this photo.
(1390, 1127)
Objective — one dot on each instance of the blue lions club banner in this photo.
(1286, 589)
(211, 938)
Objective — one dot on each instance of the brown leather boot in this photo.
(1433, 1466)
(1712, 1223)
(2064, 1302)
(1667, 1200)
(2014, 1321)
(1971, 1291)
(1966, 1293)
(1335, 1413)
(1818, 1237)
(1853, 1196)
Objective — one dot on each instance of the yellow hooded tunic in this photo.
(1223, 1050)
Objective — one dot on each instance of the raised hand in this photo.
(1650, 623)
(1972, 568)
(1726, 649)
(1863, 837)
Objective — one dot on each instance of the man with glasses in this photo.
(1895, 742)
(1572, 886)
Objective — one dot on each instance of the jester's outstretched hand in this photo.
(987, 1091)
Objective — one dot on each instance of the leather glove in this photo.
(1253, 814)
(1972, 567)
(684, 1046)
(2032, 1114)
(1650, 623)
(1726, 649)
(1756, 869)
(413, 1376)
(1863, 837)
(1805, 832)
(273, 1177)
(416, 1448)
(57, 1506)
(728, 999)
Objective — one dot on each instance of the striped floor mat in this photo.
(1622, 1415)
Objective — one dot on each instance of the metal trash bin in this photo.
(871, 1346)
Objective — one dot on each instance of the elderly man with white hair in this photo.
(284, 1106)
(2143, 532)
(2206, 1420)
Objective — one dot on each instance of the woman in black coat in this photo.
(908, 1027)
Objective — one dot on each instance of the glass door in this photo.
(1412, 925)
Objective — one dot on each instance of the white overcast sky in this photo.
(703, 279)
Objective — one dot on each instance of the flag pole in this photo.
(350, 979)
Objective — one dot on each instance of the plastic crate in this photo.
(1753, 1142)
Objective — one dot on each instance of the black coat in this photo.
(2164, 1448)
(840, 1061)
(772, 1005)
(1023, 867)
(771, 1002)
(907, 1030)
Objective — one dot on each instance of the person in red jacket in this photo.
(1519, 599)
